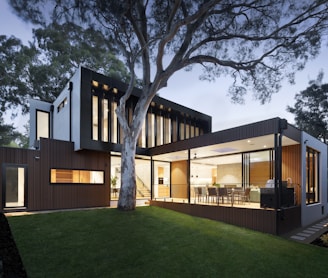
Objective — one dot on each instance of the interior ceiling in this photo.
(251, 144)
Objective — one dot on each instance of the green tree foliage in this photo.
(15, 61)
(41, 69)
(7, 134)
(311, 109)
(258, 43)
(63, 47)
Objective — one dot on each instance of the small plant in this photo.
(113, 181)
(324, 239)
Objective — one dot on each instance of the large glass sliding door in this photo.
(162, 180)
(143, 178)
(14, 184)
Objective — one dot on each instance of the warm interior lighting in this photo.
(95, 83)
(115, 91)
(105, 87)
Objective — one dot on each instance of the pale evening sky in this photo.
(208, 97)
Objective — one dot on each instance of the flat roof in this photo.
(250, 137)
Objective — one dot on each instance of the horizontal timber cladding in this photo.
(262, 220)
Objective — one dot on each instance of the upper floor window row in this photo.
(161, 125)
(104, 87)
(62, 105)
(113, 94)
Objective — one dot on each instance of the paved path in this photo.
(309, 233)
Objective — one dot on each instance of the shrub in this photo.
(324, 239)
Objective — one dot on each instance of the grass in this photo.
(154, 242)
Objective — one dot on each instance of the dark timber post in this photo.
(278, 169)
(152, 181)
(188, 177)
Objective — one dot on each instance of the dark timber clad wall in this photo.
(263, 220)
(17, 157)
(59, 154)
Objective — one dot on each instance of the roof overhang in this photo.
(247, 138)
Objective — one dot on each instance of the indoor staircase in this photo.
(142, 190)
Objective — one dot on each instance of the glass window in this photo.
(62, 105)
(182, 130)
(228, 170)
(14, 186)
(42, 125)
(192, 131)
(196, 131)
(167, 131)
(161, 179)
(312, 176)
(151, 130)
(187, 131)
(104, 121)
(159, 130)
(113, 123)
(143, 178)
(174, 130)
(94, 118)
(260, 167)
(115, 172)
(76, 176)
(142, 136)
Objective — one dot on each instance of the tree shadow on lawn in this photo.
(11, 265)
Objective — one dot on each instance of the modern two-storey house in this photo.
(268, 176)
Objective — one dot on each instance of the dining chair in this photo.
(223, 193)
(199, 193)
(212, 194)
(245, 196)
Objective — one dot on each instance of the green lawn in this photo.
(154, 242)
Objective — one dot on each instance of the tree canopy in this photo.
(258, 43)
(42, 68)
(311, 109)
(7, 133)
(15, 58)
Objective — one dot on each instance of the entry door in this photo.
(14, 183)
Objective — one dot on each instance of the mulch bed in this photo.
(11, 265)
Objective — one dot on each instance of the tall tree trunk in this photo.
(127, 199)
